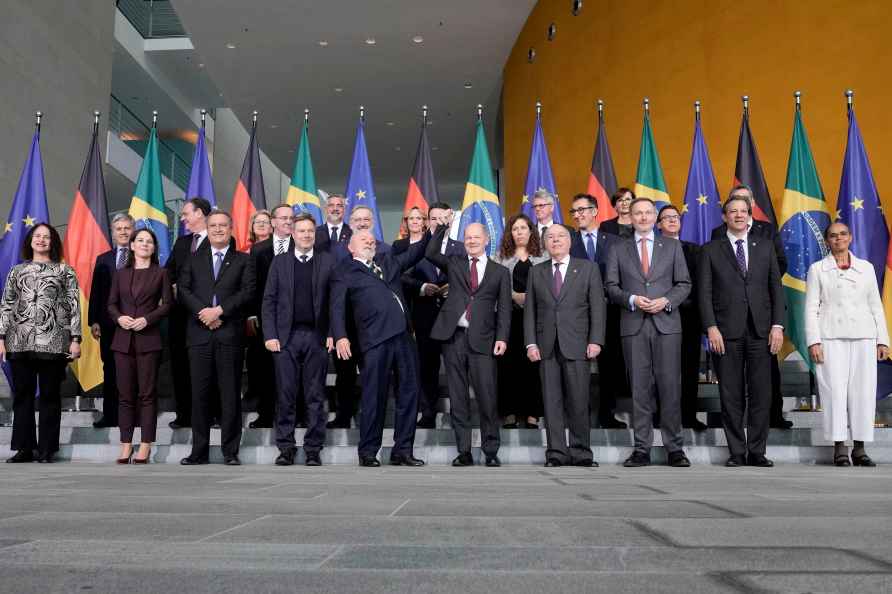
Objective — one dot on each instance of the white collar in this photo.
(548, 224)
(565, 261)
(298, 254)
(222, 250)
(733, 238)
(649, 236)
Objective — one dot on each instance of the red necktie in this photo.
(474, 282)
(645, 263)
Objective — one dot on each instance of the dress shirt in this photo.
(280, 240)
(564, 266)
(650, 257)
(594, 236)
(118, 250)
(339, 228)
(746, 248)
(481, 268)
(541, 226)
(202, 235)
(298, 254)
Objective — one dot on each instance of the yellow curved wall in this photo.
(675, 52)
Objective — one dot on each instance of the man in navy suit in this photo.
(295, 330)
(334, 230)
(101, 325)
(370, 283)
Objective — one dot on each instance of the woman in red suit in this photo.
(140, 297)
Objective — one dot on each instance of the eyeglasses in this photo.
(670, 219)
(541, 205)
(285, 218)
(580, 210)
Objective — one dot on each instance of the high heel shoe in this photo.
(125, 460)
(143, 460)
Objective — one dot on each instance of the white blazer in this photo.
(843, 304)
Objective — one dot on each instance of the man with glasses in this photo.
(543, 208)
(669, 224)
(333, 230)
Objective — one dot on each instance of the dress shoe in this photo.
(696, 425)
(679, 460)
(735, 461)
(215, 423)
(105, 423)
(862, 460)
(760, 461)
(405, 460)
(21, 456)
(145, 460)
(781, 423)
(337, 423)
(463, 460)
(301, 424)
(513, 425)
(259, 423)
(636, 460)
(193, 461)
(426, 423)
(47, 458)
(532, 425)
(841, 460)
(493, 462)
(285, 457)
(232, 460)
(369, 462)
(125, 460)
(613, 424)
(179, 424)
(586, 463)
(313, 459)
(552, 463)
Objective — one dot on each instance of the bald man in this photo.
(370, 284)
(473, 325)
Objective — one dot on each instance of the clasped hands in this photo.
(210, 317)
(129, 323)
(651, 306)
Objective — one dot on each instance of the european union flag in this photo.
(702, 211)
(360, 189)
(540, 176)
(201, 184)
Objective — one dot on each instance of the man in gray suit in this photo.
(473, 324)
(563, 323)
(648, 278)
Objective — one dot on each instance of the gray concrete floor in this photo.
(103, 528)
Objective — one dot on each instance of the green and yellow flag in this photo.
(302, 191)
(649, 181)
(147, 204)
(481, 203)
(804, 216)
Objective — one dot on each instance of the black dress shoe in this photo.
(426, 423)
(493, 462)
(613, 424)
(586, 463)
(463, 460)
(760, 461)
(337, 423)
(369, 462)
(46, 458)
(313, 459)
(510, 426)
(781, 423)
(259, 423)
(552, 463)
(104, 423)
(696, 425)
(679, 460)
(637, 460)
(862, 460)
(232, 460)
(405, 460)
(179, 424)
(21, 456)
(735, 461)
(193, 461)
(285, 457)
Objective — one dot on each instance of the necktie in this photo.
(303, 258)
(122, 257)
(645, 261)
(544, 229)
(218, 264)
(590, 247)
(558, 280)
(280, 245)
(334, 234)
(475, 281)
(741, 257)
(195, 239)
(376, 269)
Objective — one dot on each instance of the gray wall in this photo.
(55, 57)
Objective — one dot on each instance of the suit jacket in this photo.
(146, 295)
(690, 306)
(323, 239)
(760, 229)
(425, 309)
(575, 319)
(613, 227)
(667, 277)
(342, 253)
(729, 298)
(180, 254)
(602, 248)
(490, 303)
(262, 252)
(379, 307)
(103, 273)
(234, 289)
(278, 298)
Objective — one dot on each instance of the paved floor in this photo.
(102, 528)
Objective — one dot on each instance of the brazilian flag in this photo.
(649, 181)
(481, 203)
(804, 216)
(147, 204)
(302, 191)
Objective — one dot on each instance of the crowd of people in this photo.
(556, 326)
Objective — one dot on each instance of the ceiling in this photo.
(278, 67)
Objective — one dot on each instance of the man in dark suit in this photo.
(742, 307)
(473, 325)
(333, 230)
(588, 242)
(295, 330)
(370, 283)
(768, 231)
(194, 217)
(101, 325)
(669, 224)
(217, 287)
(280, 242)
(648, 278)
(564, 329)
(424, 286)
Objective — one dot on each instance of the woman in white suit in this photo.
(846, 333)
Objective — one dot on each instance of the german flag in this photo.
(249, 194)
(748, 171)
(602, 177)
(88, 236)
(422, 190)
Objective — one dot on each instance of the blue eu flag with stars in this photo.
(702, 211)
(360, 189)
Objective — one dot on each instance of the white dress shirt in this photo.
(746, 248)
(298, 254)
(564, 265)
(541, 226)
(481, 269)
(280, 244)
(649, 242)
(337, 228)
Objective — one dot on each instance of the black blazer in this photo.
(691, 257)
(278, 297)
(760, 229)
(425, 309)
(234, 289)
(490, 304)
(262, 252)
(379, 307)
(100, 288)
(728, 298)
(602, 248)
(613, 227)
(323, 239)
(150, 299)
(180, 254)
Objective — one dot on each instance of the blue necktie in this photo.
(741, 258)
(218, 264)
(590, 247)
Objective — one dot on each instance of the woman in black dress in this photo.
(622, 223)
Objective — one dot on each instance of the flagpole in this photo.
(850, 99)
(37, 116)
(307, 119)
(798, 96)
(424, 116)
(154, 118)
(254, 119)
(479, 112)
(600, 111)
(697, 110)
(95, 123)
(362, 114)
(746, 106)
(204, 114)
(538, 110)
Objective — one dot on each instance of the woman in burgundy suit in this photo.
(140, 297)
